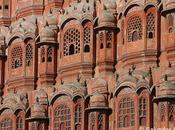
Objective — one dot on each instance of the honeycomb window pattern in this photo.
(109, 39)
(29, 54)
(71, 42)
(162, 112)
(16, 57)
(150, 25)
(87, 39)
(134, 25)
(42, 54)
(49, 54)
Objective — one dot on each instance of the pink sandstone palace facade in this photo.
(87, 64)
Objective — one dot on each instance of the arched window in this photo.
(109, 39)
(29, 54)
(170, 23)
(87, 39)
(142, 111)
(16, 57)
(150, 26)
(100, 121)
(42, 54)
(126, 112)
(101, 40)
(162, 112)
(49, 54)
(78, 117)
(71, 42)
(19, 123)
(92, 121)
(134, 27)
(6, 124)
(62, 118)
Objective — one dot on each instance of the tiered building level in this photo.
(87, 64)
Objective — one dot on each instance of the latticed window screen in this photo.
(92, 121)
(109, 39)
(42, 54)
(6, 124)
(29, 55)
(171, 112)
(78, 117)
(87, 39)
(40, 126)
(126, 112)
(100, 121)
(34, 126)
(142, 111)
(49, 54)
(162, 111)
(170, 23)
(150, 25)
(16, 57)
(62, 118)
(19, 123)
(71, 42)
(134, 29)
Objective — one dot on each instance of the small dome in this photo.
(167, 88)
(99, 85)
(98, 100)
(106, 19)
(170, 74)
(110, 4)
(51, 19)
(48, 35)
(99, 82)
(170, 4)
(38, 110)
(42, 96)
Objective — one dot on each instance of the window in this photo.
(109, 39)
(29, 55)
(62, 118)
(19, 123)
(16, 57)
(40, 126)
(71, 42)
(162, 112)
(42, 54)
(6, 7)
(87, 39)
(170, 23)
(49, 54)
(126, 112)
(100, 121)
(34, 126)
(6, 124)
(171, 112)
(101, 40)
(150, 26)
(142, 111)
(92, 121)
(78, 117)
(134, 29)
